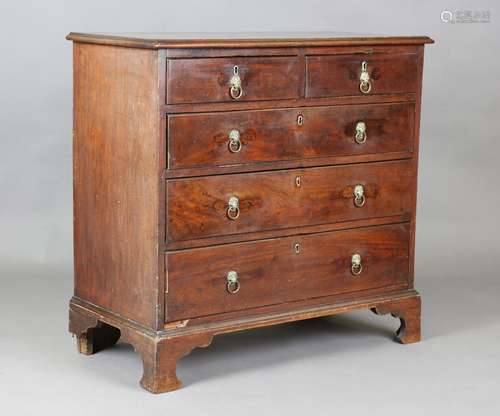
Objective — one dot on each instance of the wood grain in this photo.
(285, 232)
(415, 162)
(289, 103)
(207, 80)
(285, 164)
(338, 75)
(271, 271)
(202, 140)
(198, 207)
(242, 39)
(408, 312)
(116, 179)
(160, 351)
(153, 243)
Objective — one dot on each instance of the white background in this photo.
(337, 365)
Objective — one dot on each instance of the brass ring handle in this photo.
(359, 201)
(356, 266)
(365, 85)
(235, 91)
(233, 284)
(360, 136)
(359, 196)
(234, 141)
(233, 208)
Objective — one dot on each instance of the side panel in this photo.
(116, 179)
(415, 159)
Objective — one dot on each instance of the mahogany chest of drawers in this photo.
(229, 183)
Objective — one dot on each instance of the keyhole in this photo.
(298, 182)
(296, 247)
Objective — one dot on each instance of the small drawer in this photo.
(341, 75)
(242, 203)
(210, 80)
(245, 137)
(248, 275)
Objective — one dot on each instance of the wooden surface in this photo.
(153, 174)
(199, 140)
(161, 350)
(206, 80)
(116, 187)
(272, 272)
(198, 207)
(242, 39)
(338, 75)
(415, 161)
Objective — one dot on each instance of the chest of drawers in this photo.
(224, 183)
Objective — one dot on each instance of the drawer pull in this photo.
(233, 284)
(234, 141)
(233, 208)
(236, 91)
(356, 266)
(359, 195)
(360, 136)
(365, 84)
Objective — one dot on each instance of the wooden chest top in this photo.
(243, 39)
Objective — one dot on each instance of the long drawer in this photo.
(243, 137)
(241, 203)
(266, 272)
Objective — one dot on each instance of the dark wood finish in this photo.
(290, 49)
(415, 160)
(139, 98)
(198, 140)
(207, 80)
(116, 135)
(288, 307)
(160, 358)
(289, 103)
(162, 162)
(242, 40)
(159, 353)
(285, 232)
(272, 271)
(198, 207)
(408, 312)
(338, 75)
(285, 164)
(161, 350)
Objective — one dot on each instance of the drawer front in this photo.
(338, 75)
(207, 80)
(285, 269)
(240, 203)
(244, 137)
